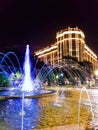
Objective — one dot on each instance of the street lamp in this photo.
(57, 76)
(57, 79)
(96, 73)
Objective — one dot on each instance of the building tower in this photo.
(70, 42)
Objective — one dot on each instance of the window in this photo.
(73, 45)
(73, 35)
(73, 53)
(65, 35)
(58, 38)
(79, 35)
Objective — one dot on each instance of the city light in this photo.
(96, 73)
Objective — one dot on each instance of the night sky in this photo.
(36, 22)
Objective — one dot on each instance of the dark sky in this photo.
(36, 22)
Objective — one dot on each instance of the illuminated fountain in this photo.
(92, 102)
(27, 83)
(30, 87)
(19, 106)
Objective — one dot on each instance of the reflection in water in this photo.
(10, 114)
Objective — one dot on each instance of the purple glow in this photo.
(27, 83)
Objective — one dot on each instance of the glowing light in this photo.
(70, 32)
(46, 50)
(47, 53)
(96, 72)
(70, 38)
(88, 49)
(62, 74)
(57, 76)
(27, 83)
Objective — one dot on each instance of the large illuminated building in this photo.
(69, 42)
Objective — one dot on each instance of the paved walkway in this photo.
(66, 127)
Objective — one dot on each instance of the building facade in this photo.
(69, 42)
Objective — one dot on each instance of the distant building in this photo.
(70, 42)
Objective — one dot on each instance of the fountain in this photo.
(91, 102)
(21, 99)
(27, 83)
(30, 87)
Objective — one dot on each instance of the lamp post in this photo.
(57, 80)
(62, 79)
(96, 73)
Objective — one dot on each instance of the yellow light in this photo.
(70, 32)
(57, 76)
(70, 38)
(46, 50)
(88, 49)
(96, 72)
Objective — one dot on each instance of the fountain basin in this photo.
(11, 93)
